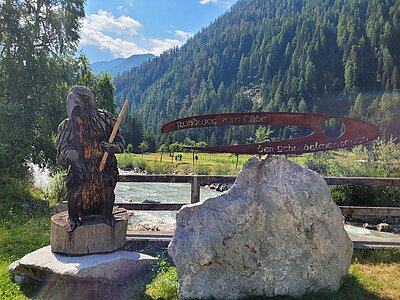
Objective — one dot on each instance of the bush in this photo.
(158, 167)
(129, 148)
(223, 169)
(379, 160)
(200, 169)
(140, 163)
(165, 285)
(57, 190)
(318, 162)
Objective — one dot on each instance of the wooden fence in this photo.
(200, 180)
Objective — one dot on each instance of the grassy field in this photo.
(206, 164)
(372, 275)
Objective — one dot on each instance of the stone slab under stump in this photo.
(94, 236)
(86, 277)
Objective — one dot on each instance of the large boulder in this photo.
(277, 231)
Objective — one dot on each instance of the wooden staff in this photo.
(113, 134)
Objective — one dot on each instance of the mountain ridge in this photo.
(265, 55)
(120, 65)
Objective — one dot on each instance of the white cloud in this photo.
(183, 34)
(103, 30)
(161, 45)
(208, 1)
(105, 21)
(118, 47)
(219, 2)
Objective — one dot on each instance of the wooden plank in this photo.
(195, 190)
(362, 181)
(346, 210)
(206, 179)
(151, 206)
(370, 211)
(358, 242)
(375, 242)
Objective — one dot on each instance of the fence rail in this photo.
(198, 180)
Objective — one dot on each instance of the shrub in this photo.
(165, 285)
(200, 169)
(129, 148)
(140, 163)
(223, 169)
(318, 162)
(379, 160)
(158, 167)
(57, 189)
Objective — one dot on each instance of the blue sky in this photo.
(121, 28)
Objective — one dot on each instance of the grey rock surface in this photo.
(277, 231)
(44, 265)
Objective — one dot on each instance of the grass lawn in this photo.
(372, 275)
(206, 164)
(209, 163)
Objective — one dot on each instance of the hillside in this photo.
(119, 65)
(327, 56)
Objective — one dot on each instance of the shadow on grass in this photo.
(350, 289)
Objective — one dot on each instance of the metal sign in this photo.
(356, 132)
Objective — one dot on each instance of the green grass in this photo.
(21, 231)
(373, 274)
(165, 284)
(207, 164)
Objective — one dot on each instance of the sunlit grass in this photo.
(21, 231)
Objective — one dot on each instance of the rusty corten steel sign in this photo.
(356, 132)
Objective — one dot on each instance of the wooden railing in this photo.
(200, 180)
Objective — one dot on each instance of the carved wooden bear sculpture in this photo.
(81, 142)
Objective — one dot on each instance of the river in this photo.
(162, 192)
(171, 193)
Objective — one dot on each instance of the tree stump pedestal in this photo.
(93, 236)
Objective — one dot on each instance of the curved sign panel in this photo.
(356, 132)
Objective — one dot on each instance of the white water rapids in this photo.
(138, 192)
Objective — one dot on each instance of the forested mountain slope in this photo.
(268, 55)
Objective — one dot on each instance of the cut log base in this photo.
(93, 236)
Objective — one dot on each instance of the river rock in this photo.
(277, 231)
(383, 227)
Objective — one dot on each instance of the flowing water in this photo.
(137, 192)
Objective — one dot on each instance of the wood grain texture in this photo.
(94, 236)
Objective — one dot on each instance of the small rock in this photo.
(369, 226)
(151, 201)
(383, 227)
(28, 206)
(44, 204)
